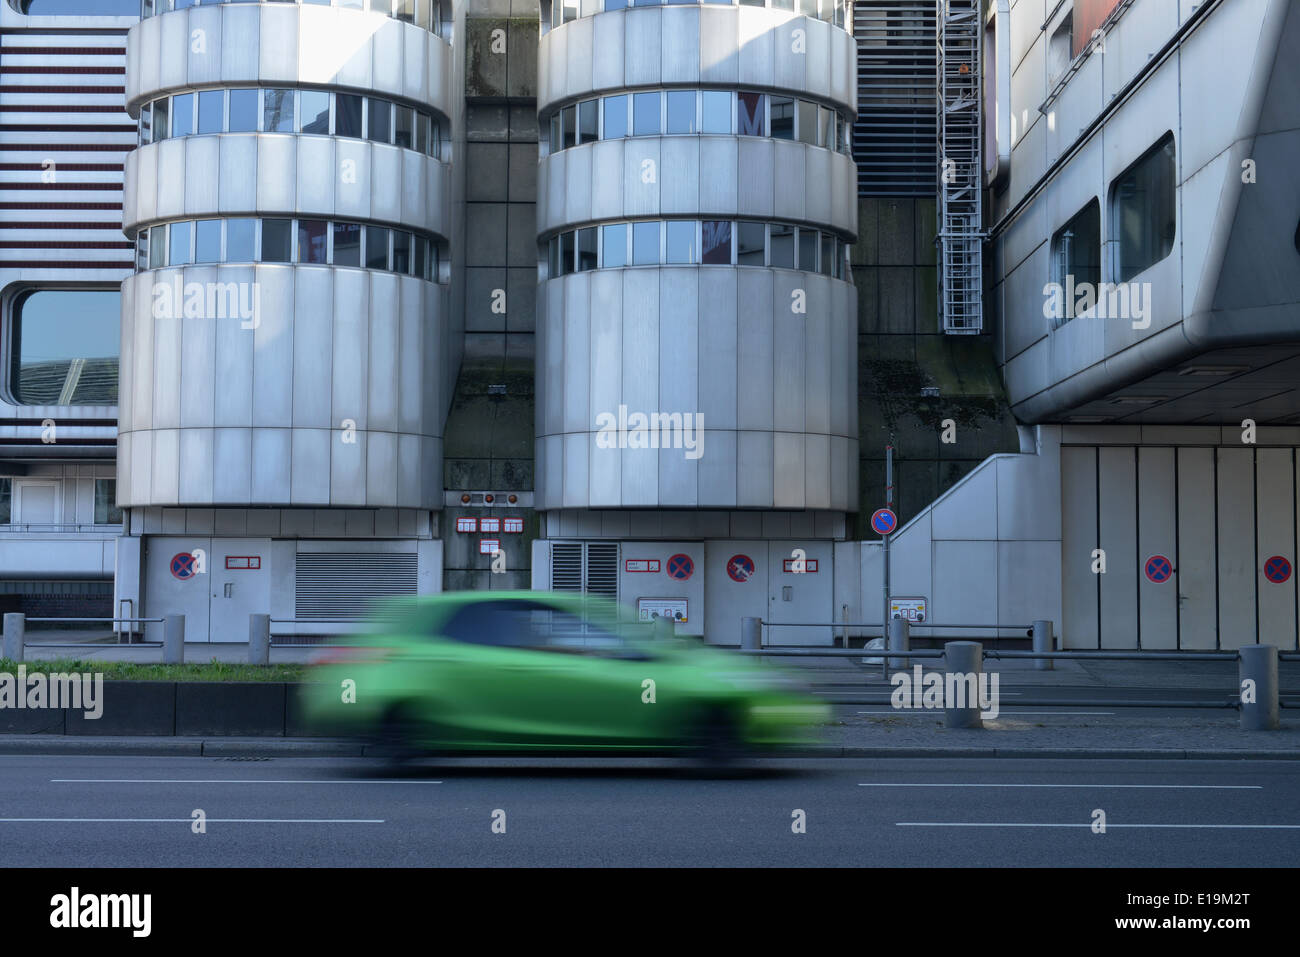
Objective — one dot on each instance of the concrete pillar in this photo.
(1044, 640)
(1257, 664)
(174, 640)
(259, 639)
(900, 639)
(963, 658)
(15, 632)
(751, 633)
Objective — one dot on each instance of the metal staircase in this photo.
(959, 37)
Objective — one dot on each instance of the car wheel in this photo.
(394, 740)
(718, 745)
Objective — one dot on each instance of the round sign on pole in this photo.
(740, 567)
(680, 567)
(884, 521)
(1277, 569)
(182, 566)
(1159, 569)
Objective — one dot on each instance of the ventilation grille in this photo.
(590, 567)
(895, 136)
(342, 586)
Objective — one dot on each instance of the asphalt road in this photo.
(74, 811)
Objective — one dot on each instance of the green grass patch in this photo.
(193, 671)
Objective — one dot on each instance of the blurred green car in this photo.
(524, 671)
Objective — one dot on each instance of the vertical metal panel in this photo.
(842, 360)
(788, 177)
(717, 469)
(1275, 516)
(604, 371)
(719, 50)
(788, 67)
(313, 349)
(237, 190)
(754, 481)
(232, 476)
(202, 174)
(1080, 626)
(167, 365)
(817, 62)
(198, 371)
(171, 179)
(385, 182)
(350, 177)
(381, 468)
(348, 469)
(718, 350)
(1117, 496)
(789, 452)
(844, 465)
(754, 194)
(1236, 527)
(577, 405)
(1195, 562)
(143, 42)
(820, 204)
(680, 44)
(133, 290)
(415, 66)
(818, 360)
(1157, 535)
(556, 173)
(789, 370)
(277, 164)
(145, 169)
(577, 186)
(141, 451)
(413, 377)
(172, 484)
(551, 358)
(414, 206)
(382, 382)
(556, 78)
(817, 471)
(271, 466)
(387, 50)
(608, 43)
(575, 469)
(679, 189)
(204, 65)
(719, 175)
(606, 179)
(417, 457)
(140, 377)
(311, 461)
(173, 52)
(316, 172)
(356, 293)
(233, 404)
(578, 65)
(641, 317)
(240, 43)
(678, 344)
(756, 44)
(642, 51)
(755, 340)
(642, 173)
(278, 46)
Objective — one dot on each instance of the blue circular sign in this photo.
(183, 566)
(1277, 569)
(1159, 569)
(680, 567)
(884, 521)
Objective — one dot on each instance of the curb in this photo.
(318, 748)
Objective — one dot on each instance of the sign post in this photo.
(889, 504)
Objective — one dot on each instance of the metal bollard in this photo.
(259, 639)
(174, 640)
(963, 658)
(1043, 641)
(751, 633)
(1257, 664)
(900, 639)
(15, 632)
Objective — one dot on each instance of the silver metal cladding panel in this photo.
(255, 410)
(642, 171)
(287, 44)
(232, 174)
(679, 181)
(689, 45)
(774, 387)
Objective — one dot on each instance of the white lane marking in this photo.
(229, 781)
(1004, 711)
(187, 820)
(1211, 827)
(1188, 787)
